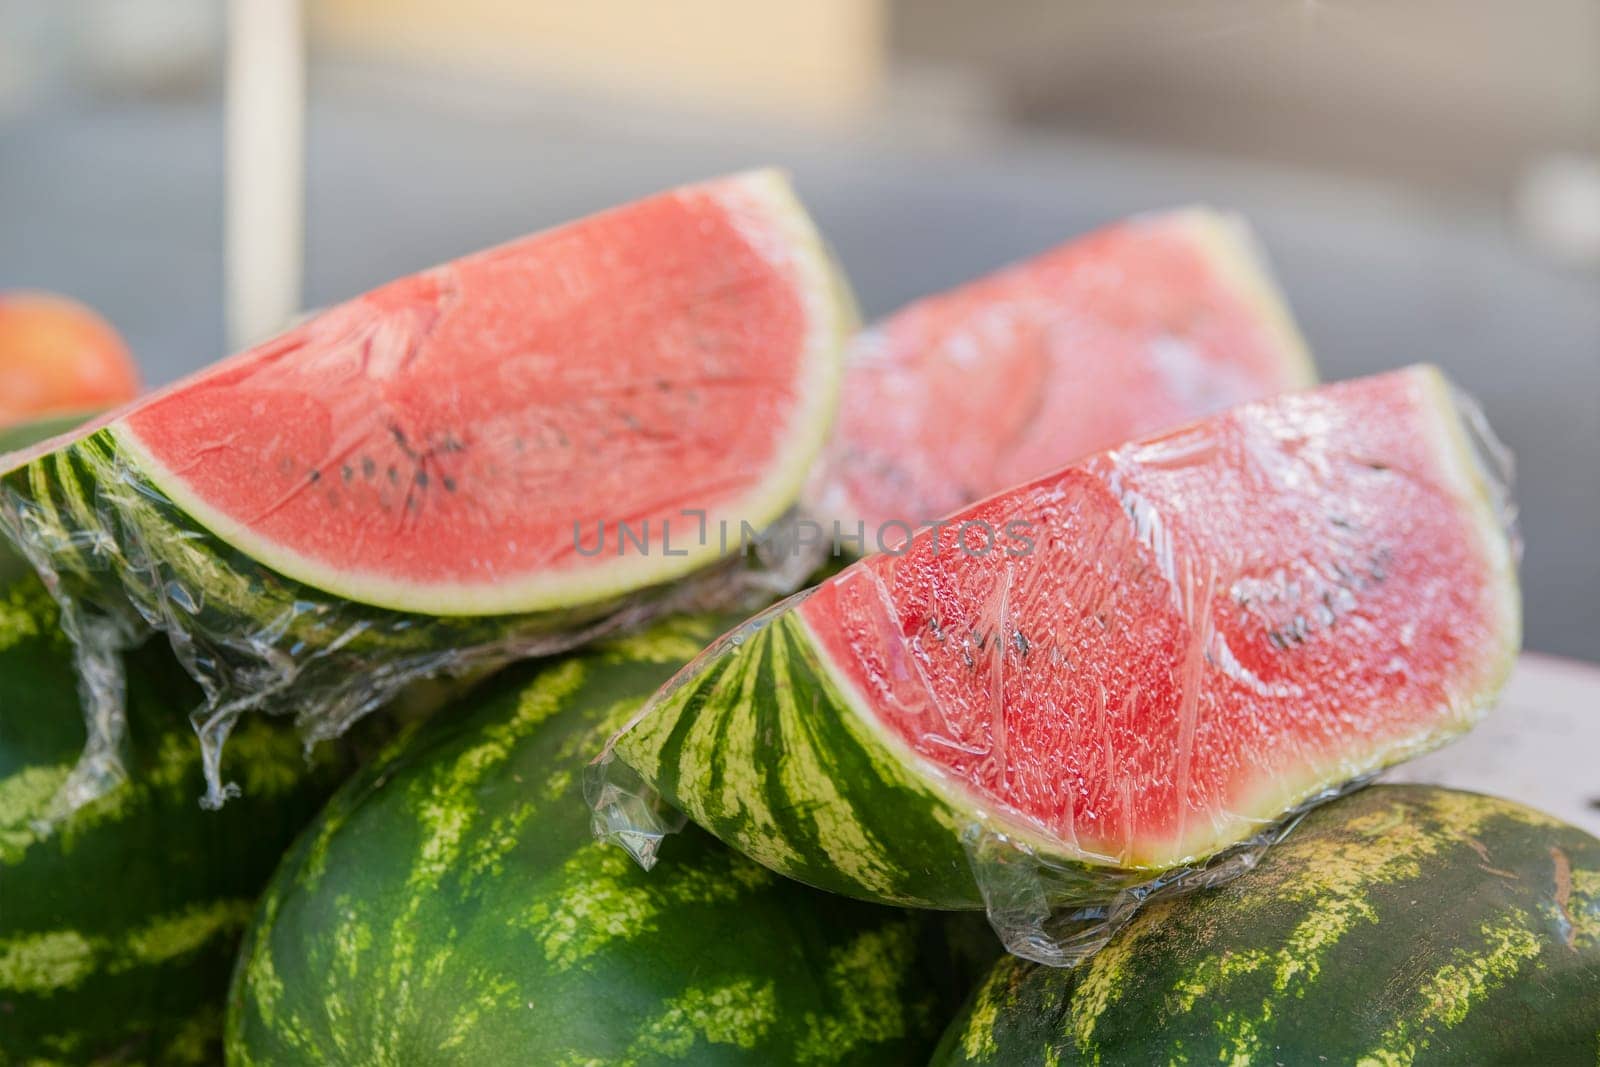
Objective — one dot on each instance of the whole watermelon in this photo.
(118, 929)
(452, 907)
(1399, 925)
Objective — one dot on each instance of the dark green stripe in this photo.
(862, 808)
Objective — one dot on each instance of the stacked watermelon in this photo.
(119, 919)
(1178, 600)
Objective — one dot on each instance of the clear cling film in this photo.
(1191, 639)
(130, 565)
(506, 456)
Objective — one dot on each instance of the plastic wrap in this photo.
(132, 564)
(1044, 908)
(1226, 626)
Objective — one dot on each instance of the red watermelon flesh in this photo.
(1184, 637)
(448, 443)
(1138, 327)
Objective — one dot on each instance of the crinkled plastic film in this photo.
(124, 562)
(1042, 909)
(1048, 912)
(807, 806)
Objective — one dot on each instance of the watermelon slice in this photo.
(1124, 668)
(1138, 327)
(501, 456)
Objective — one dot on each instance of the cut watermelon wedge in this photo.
(497, 457)
(1138, 327)
(1123, 668)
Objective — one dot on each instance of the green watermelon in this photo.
(1400, 925)
(1165, 648)
(495, 457)
(1137, 327)
(451, 906)
(118, 929)
(14, 438)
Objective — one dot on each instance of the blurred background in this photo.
(1425, 174)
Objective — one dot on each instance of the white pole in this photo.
(265, 199)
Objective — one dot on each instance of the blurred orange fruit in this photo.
(59, 356)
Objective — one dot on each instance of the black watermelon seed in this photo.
(422, 479)
(394, 476)
(347, 472)
(449, 484)
(368, 467)
(316, 476)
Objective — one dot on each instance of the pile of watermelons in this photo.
(1179, 606)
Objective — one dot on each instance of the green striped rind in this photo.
(15, 438)
(1399, 925)
(103, 522)
(262, 641)
(117, 930)
(452, 907)
(757, 744)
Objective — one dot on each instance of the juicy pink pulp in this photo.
(454, 426)
(1208, 625)
(1130, 330)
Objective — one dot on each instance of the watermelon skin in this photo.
(1399, 925)
(1149, 323)
(789, 739)
(118, 512)
(14, 439)
(451, 906)
(118, 931)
